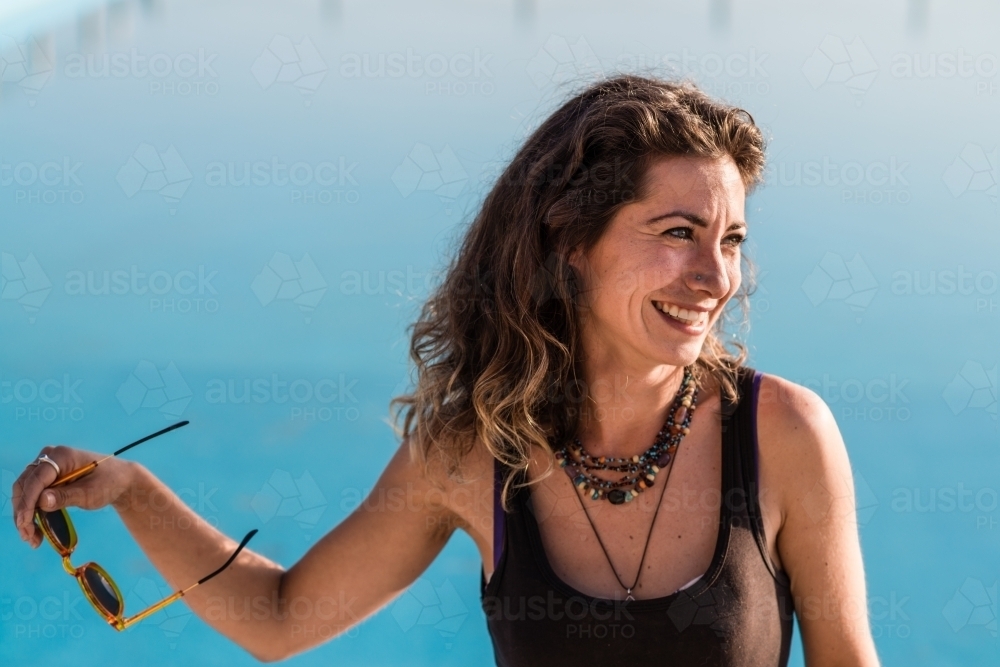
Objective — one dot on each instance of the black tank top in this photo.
(738, 613)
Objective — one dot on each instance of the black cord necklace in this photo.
(640, 471)
(638, 575)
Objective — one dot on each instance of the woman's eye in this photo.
(679, 232)
(686, 232)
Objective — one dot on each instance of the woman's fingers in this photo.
(29, 487)
(26, 489)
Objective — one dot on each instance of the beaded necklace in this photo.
(640, 470)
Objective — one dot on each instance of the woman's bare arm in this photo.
(370, 558)
(358, 567)
(818, 541)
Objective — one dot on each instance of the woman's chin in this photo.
(682, 354)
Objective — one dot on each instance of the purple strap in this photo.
(753, 423)
(498, 513)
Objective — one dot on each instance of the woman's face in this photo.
(649, 258)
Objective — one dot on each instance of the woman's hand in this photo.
(109, 483)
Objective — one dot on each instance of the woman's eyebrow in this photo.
(693, 218)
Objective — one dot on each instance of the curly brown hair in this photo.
(496, 346)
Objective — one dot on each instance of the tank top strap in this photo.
(740, 438)
(499, 516)
(736, 432)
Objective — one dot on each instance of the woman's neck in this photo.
(621, 411)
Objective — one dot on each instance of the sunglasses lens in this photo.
(103, 591)
(58, 524)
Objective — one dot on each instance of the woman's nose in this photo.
(709, 275)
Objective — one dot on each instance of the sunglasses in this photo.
(98, 586)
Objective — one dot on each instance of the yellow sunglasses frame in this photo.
(118, 621)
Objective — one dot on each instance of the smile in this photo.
(694, 318)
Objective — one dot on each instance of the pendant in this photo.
(629, 598)
(616, 496)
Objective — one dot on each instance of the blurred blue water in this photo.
(876, 236)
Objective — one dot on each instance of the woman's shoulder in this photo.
(455, 475)
(790, 405)
(801, 449)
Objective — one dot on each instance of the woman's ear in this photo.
(579, 266)
(576, 259)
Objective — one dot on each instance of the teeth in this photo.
(686, 316)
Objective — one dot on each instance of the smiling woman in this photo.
(510, 313)
(581, 320)
(579, 327)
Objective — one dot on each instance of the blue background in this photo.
(876, 236)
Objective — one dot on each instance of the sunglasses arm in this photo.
(123, 623)
(78, 473)
(89, 468)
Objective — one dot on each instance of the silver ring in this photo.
(46, 459)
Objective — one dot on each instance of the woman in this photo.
(578, 330)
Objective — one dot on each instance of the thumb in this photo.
(65, 496)
(52, 499)
(82, 493)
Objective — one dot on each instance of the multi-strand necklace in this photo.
(639, 471)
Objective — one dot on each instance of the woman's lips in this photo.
(689, 321)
